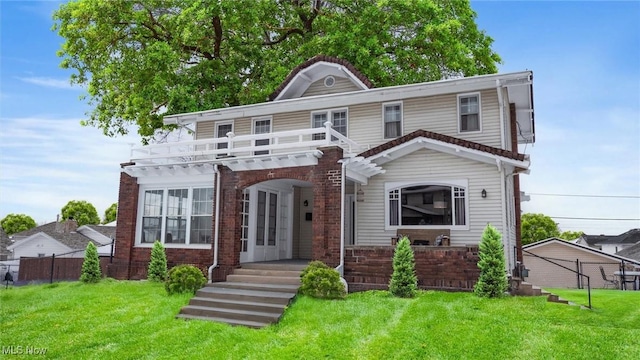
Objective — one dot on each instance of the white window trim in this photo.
(164, 188)
(329, 112)
(253, 129)
(384, 105)
(462, 183)
(225, 122)
(459, 119)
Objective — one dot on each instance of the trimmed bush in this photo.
(184, 278)
(404, 282)
(493, 277)
(157, 264)
(320, 281)
(91, 272)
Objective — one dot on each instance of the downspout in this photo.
(503, 193)
(217, 223)
(340, 267)
(501, 106)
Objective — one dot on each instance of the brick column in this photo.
(126, 226)
(230, 223)
(326, 208)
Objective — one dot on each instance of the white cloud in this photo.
(49, 82)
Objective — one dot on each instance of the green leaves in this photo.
(83, 212)
(15, 223)
(138, 58)
(91, 272)
(404, 282)
(492, 264)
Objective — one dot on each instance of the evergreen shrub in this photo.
(404, 282)
(493, 280)
(320, 281)
(157, 264)
(91, 272)
(184, 278)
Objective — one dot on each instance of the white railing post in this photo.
(327, 132)
(230, 136)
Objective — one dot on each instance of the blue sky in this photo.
(586, 62)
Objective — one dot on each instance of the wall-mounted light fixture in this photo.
(360, 195)
(306, 203)
(484, 193)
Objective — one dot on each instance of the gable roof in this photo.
(295, 73)
(632, 252)
(73, 240)
(579, 247)
(420, 139)
(629, 237)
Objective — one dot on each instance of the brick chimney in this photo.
(67, 226)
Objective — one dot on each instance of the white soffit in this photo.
(447, 148)
(305, 77)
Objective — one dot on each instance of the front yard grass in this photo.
(135, 320)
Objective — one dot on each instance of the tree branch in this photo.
(217, 28)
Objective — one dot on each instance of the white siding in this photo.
(425, 165)
(437, 114)
(42, 244)
(341, 85)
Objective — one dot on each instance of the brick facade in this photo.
(449, 268)
(325, 178)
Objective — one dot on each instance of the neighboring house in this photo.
(60, 238)
(332, 169)
(631, 252)
(579, 258)
(611, 244)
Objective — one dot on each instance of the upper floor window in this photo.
(469, 112)
(262, 126)
(222, 129)
(181, 215)
(426, 204)
(338, 118)
(392, 119)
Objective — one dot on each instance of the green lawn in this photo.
(135, 320)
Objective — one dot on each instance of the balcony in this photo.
(241, 152)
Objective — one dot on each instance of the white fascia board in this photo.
(444, 147)
(392, 93)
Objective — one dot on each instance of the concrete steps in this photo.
(523, 288)
(255, 295)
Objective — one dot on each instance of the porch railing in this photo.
(245, 145)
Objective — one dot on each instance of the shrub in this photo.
(91, 272)
(184, 278)
(157, 263)
(493, 278)
(320, 281)
(404, 282)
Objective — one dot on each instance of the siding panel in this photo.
(341, 85)
(425, 165)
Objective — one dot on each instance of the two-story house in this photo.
(331, 168)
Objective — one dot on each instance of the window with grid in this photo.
(202, 216)
(177, 216)
(392, 120)
(262, 127)
(221, 131)
(339, 122)
(469, 110)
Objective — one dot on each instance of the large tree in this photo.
(83, 212)
(536, 227)
(15, 223)
(141, 59)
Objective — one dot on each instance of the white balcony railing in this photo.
(283, 142)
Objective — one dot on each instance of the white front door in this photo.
(266, 227)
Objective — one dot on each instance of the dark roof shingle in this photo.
(71, 239)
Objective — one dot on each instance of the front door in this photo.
(266, 244)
